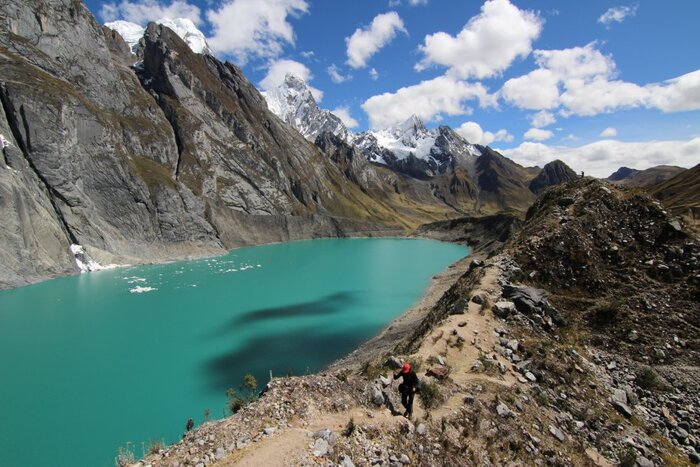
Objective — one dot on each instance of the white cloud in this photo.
(250, 28)
(336, 75)
(366, 42)
(141, 12)
(487, 44)
(343, 113)
(428, 100)
(604, 157)
(576, 63)
(542, 119)
(536, 90)
(609, 132)
(280, 68)
(417, 2)
(473, 133)
(307, 54)
(677, 94)
(617, 14)
(538, 134)
(580, 81)
(374, 74)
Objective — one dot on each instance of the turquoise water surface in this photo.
(87, 364)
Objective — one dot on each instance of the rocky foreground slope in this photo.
(575, 343)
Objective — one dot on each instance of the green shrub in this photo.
(628, 458)
(349, 428)
(606, 314)
(155, 446)
(648, 379)
(246, 393)
(430, 395)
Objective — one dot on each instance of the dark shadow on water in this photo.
(298, 353)
(327, 305)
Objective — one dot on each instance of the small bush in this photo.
(430, 395)
(370, 371)
(249, 382)
(125, 456)
(648, 379)
(605, 315)
(155, 446)
(416, 363)
(349, 428)
(628, 458)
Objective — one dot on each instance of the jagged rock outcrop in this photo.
(553, 173)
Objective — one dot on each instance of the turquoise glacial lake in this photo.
(88, 364)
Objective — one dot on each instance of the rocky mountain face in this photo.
(293, 103)
(553, 173)
(646, 177)
(175, 158)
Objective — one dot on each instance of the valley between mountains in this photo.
(570, 337)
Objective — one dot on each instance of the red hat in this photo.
(406, 368)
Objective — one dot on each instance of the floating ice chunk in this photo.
(140, 289)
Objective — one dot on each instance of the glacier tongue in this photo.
(183, 27)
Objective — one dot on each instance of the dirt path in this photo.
(292, 445)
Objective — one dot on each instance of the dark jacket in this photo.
(410, 380)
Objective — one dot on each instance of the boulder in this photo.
(393, 363)
(438, 371)
(503, 309)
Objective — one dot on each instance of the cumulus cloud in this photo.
(472, 132)
(487, 44)
(336, 75)
(374, 74)
(537, 134)
(343, 113)
(536, 90)
(367, 41)
(244, 29)
(604, 157)
(428, 100)
(542, 119)
(609, 132)
(617, 15)
(280, 68)
(581, 81)
(141, 12)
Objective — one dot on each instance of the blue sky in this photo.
(587, 82)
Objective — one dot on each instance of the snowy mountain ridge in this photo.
(183, 27)
(292, 102)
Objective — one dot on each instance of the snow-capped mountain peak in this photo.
(293, 102)
(183, 27)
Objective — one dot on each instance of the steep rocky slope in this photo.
(681, 194)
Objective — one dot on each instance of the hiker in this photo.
(408, 388)
(190, 424)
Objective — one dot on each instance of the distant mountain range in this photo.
(644, 178)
